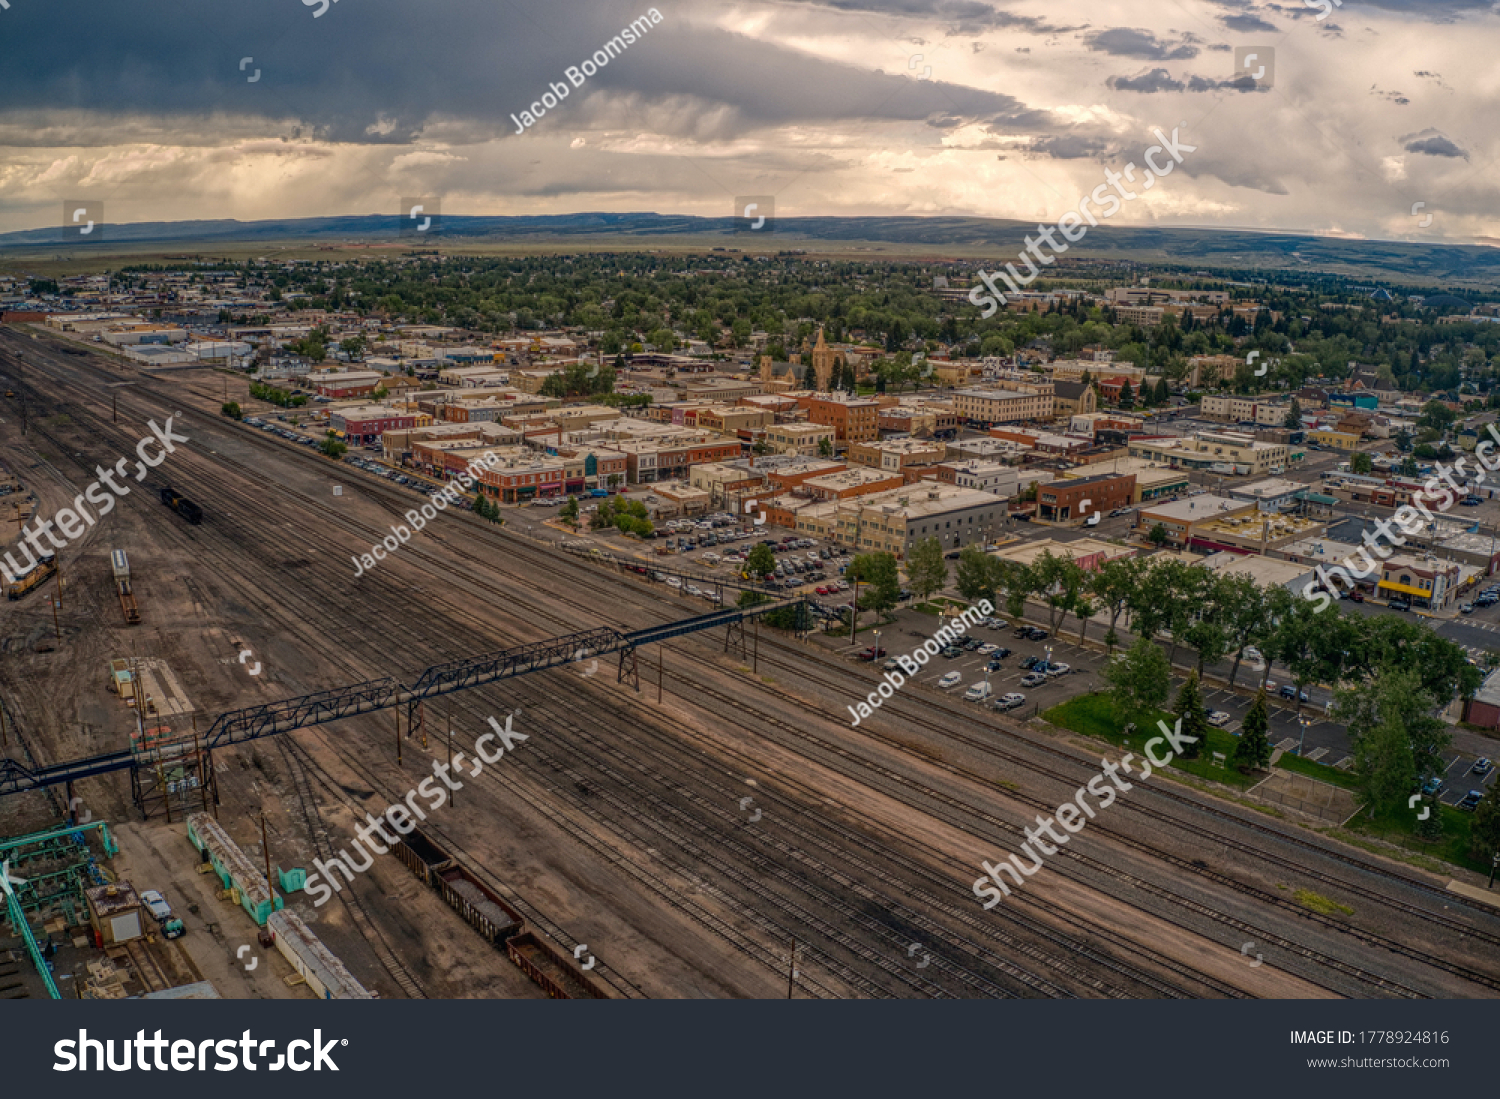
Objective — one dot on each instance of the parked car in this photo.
(994, 665)
(1035, 679)
(1010, 702)
(1482, 767)
(1470, 801)
(951, 679)
(1288, 691)
(951, 651)
(1218, 718)
(979, 692)
(156, 904)
(1466, 608)
(891, 665)
(1253, 654)
(1356, 596)
(1036, 633)
(1432, 787)
(986, 649)
(1399, 605)
(1057, 671)
(1032, 662)
(871, 653)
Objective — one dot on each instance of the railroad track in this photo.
(294, 756)
(656, 607)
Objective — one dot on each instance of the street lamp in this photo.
(1302, 720)
(877, 648)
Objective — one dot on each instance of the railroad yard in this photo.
(684, 847)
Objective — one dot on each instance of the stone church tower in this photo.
(822, 363)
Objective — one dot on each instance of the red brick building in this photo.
(1070, 503)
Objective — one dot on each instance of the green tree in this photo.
(232, 410)
(1294, 416)
(1484, 830)
(881, 573)
(569, 511)
(977, 578)
(825, 447)
(1127, 398)
(1396, 736)
(1193, 722)
(1059, 580)
(1253, 752)
(925, 568)
(1112, 584)
(761, 562)
(1157, 535)
(354, 347)
(1361, 463)
(332, 447)
(1139, 680)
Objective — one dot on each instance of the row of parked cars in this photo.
(1487, 598)
(1470, 801)
(288, 435)
(416, 484)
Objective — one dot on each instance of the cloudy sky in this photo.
(886, 107)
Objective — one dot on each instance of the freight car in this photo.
(501, 925)
(123, 589)
(182, 505)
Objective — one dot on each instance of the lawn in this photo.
(1094, 715)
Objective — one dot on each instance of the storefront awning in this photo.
(1406, 589)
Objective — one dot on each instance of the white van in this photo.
(980, 692)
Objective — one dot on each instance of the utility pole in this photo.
(450, 752)
(266, 848)
(854, 615)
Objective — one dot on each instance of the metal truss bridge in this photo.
(255, 722)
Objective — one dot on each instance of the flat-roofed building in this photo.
(848, 483)
(853, 419)
(654, 460)
(1072, 502)
(1152, 481)
(1255, 531)
(363, 424)
(1425, 581)
(893, 522)
(1207, 449)
(1338, 440)
(897, 455)
(1088, 553)
(996, 478)
(1181, 519)
(1265, 572)
(983, 449)
(1272, 494)
(999, 406)
(806, 440)
(345, 383)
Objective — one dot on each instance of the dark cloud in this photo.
(1072, 147)
(962, 17)
(381, 72)
(1433, 143)
(1128, 42)
(1157, 80)
(1248, 23)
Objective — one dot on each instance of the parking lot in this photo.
(1322, 740)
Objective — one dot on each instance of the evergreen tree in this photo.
(1189, 711)
(1127, 398)
(1253, 752)
(1484, 839)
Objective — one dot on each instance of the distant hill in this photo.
(956, 236)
